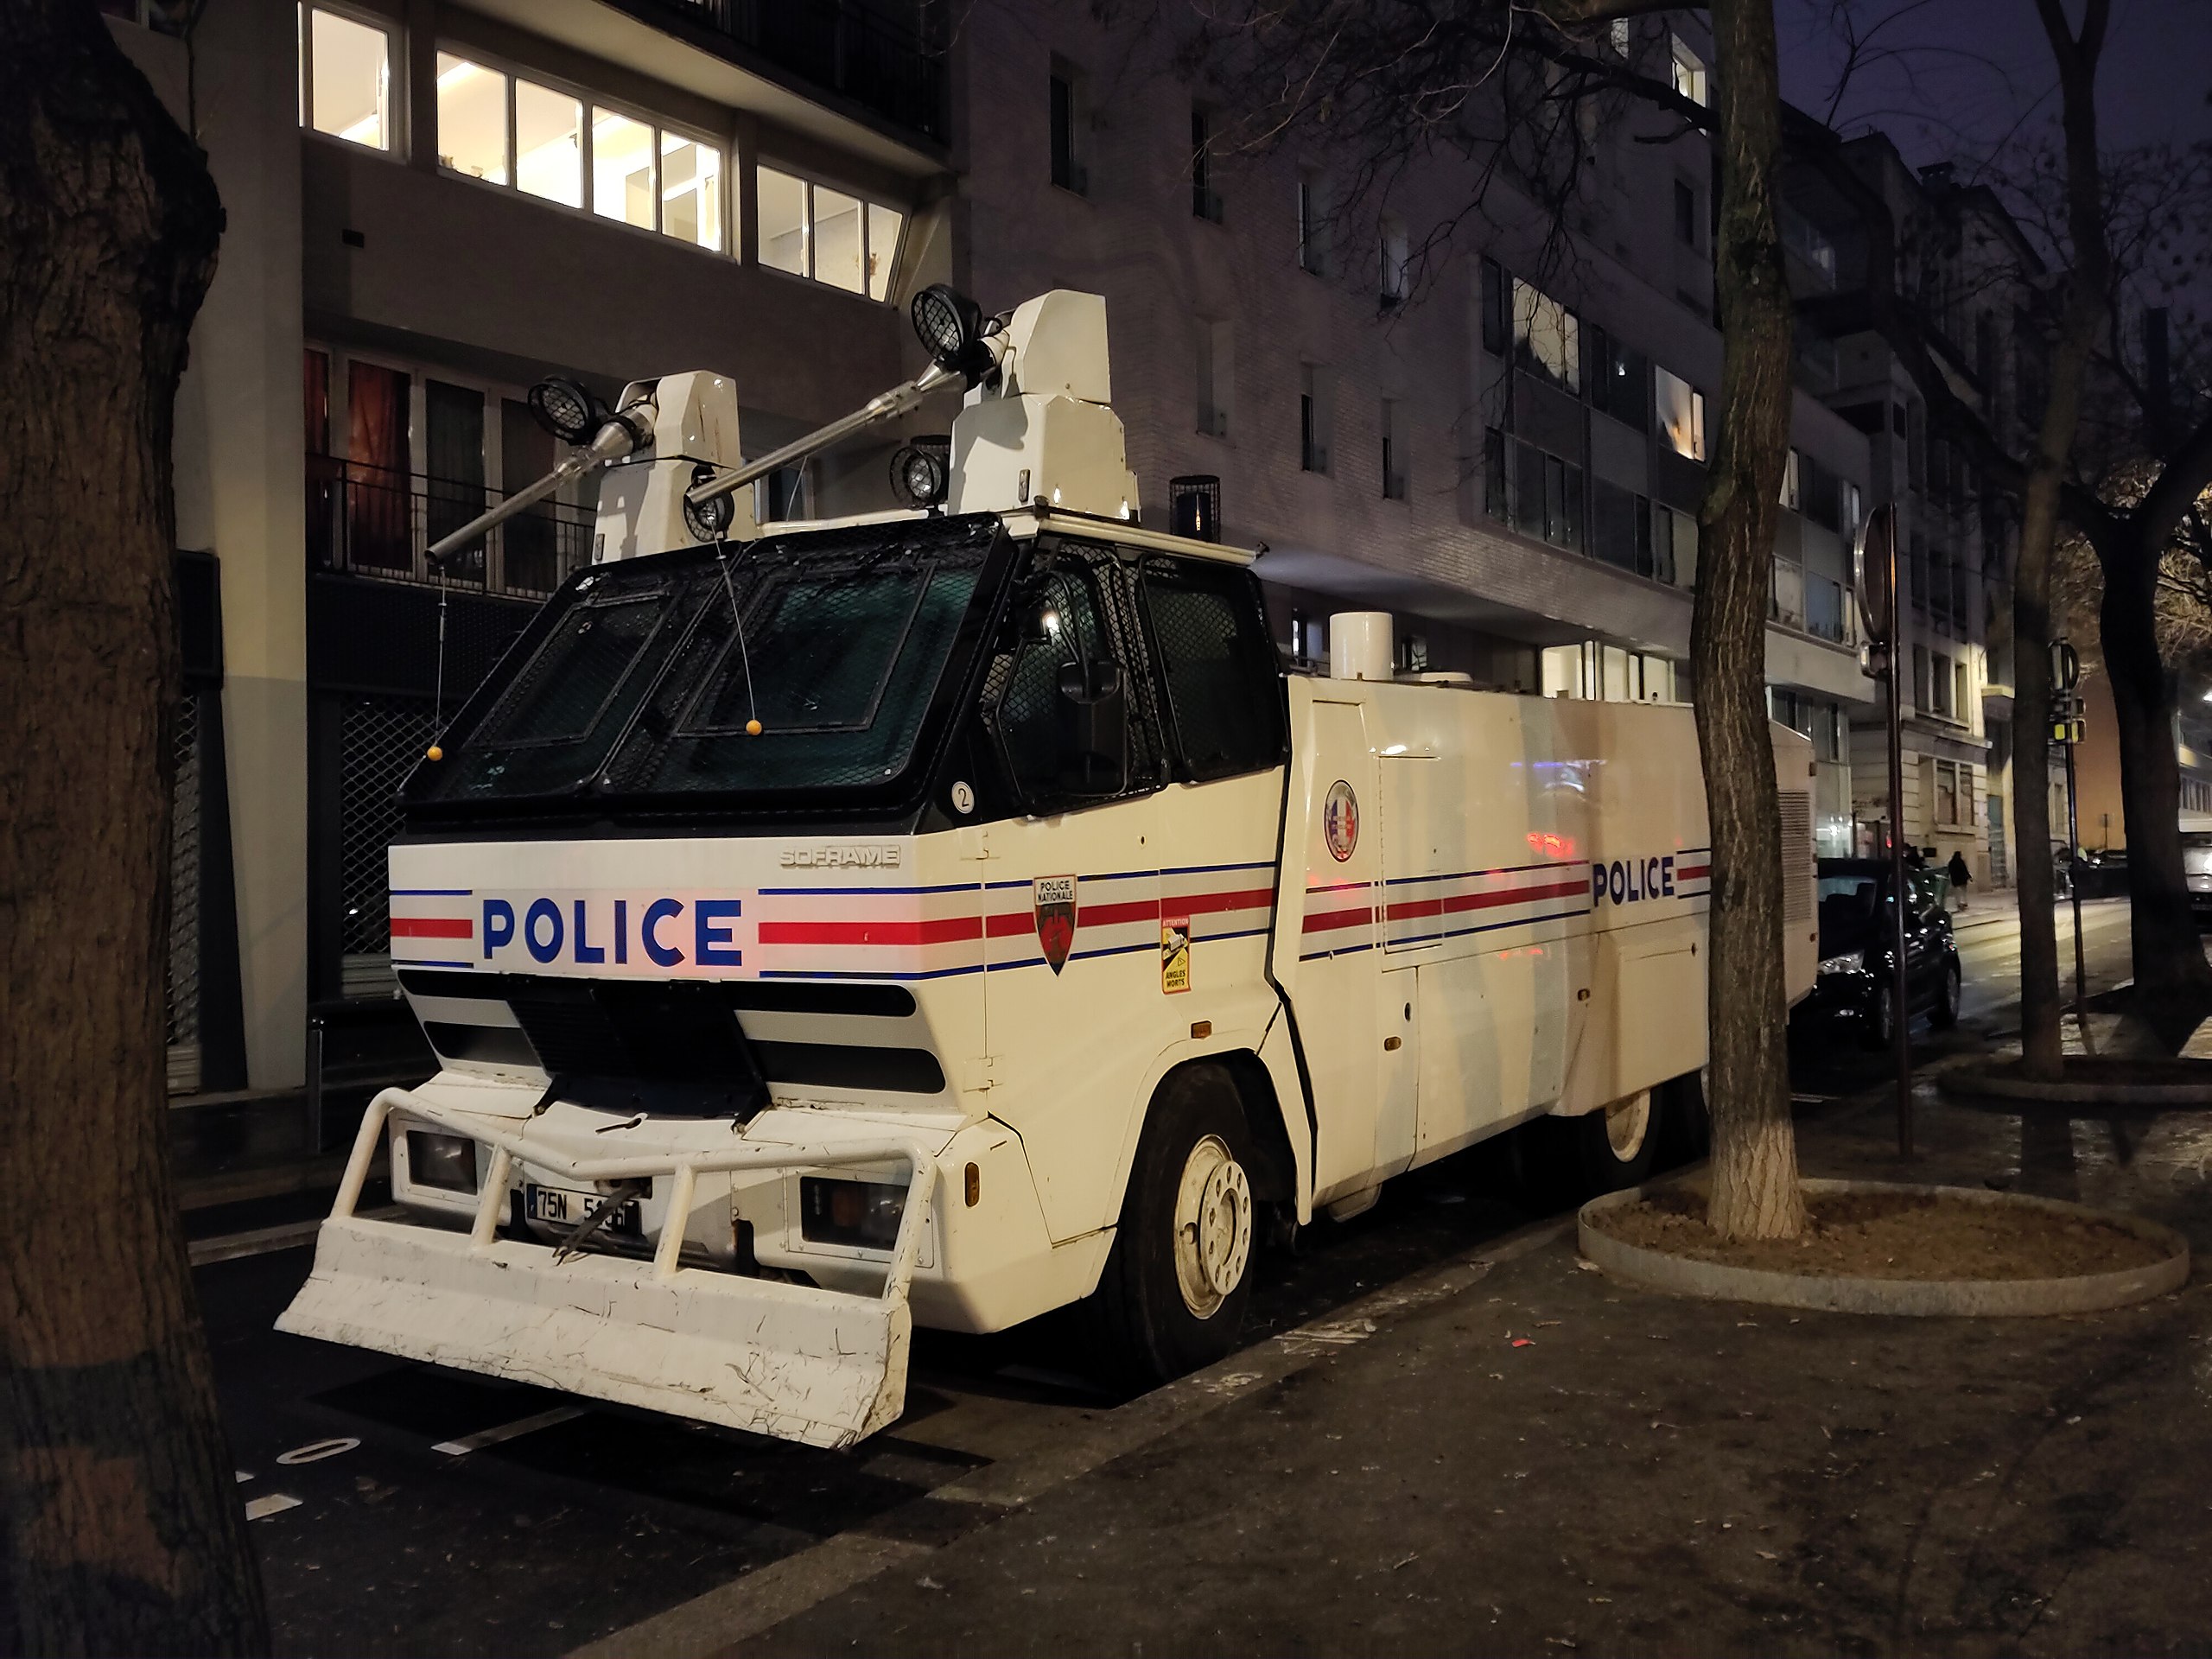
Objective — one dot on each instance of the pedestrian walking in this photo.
(1962, 878)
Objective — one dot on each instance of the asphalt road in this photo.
(425, 1511)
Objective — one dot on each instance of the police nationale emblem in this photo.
(1340, 820)
(1055, 900)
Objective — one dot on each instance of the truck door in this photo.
(1332, 852)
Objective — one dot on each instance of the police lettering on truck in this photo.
(953, 914)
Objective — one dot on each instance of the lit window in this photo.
(1791, 497)
(1682, 413)
(690, 191)
(549, 147)
(783, 220)
(1690, 70)
(1546, 337)
(622, 168)
(837, 239)
(472, 118)
(810, 230)
(345, 78)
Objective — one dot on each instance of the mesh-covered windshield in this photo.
(637, 684)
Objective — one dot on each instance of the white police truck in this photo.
(953, 914)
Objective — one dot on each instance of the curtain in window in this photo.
(376, 507)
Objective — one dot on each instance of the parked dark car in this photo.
(1856, 953)
(2196, 866)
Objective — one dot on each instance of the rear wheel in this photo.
(1616, 1146)
(1945, 1013)
(1173, 1295)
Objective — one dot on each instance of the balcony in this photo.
(884, 65)
(370, 521)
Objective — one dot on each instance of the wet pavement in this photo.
(1547, 1461)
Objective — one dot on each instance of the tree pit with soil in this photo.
(1876, 1248)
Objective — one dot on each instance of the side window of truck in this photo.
(1058, 711)
(1224, 695)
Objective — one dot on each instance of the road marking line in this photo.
(467, 1443)
(242, 1475)
(276, 1504)
(316, 1451)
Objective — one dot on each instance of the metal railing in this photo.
(881, 63)
(372, 521)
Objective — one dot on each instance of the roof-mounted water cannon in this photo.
(576, 416)
(958, 336)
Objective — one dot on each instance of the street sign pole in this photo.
(1874, 576)
(2074, 888)
(2065, 676)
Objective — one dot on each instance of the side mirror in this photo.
(1094, 730)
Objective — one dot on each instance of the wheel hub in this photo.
(1627, 1121)
(1213, 1226)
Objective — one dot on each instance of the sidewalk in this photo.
(1649, 1474)
(2000, 907)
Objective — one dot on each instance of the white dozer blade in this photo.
(821, 1367)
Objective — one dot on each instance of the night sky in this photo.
(1971, 71)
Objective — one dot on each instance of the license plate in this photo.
(562, 1208)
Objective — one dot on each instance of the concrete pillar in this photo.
(241, 493)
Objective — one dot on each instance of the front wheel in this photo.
(1172, 1297)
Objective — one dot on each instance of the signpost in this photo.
(2067, 726)
(1874, 586)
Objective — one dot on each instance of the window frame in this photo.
(812, 181)
(589, 102)
(395, 83)
(1243, 591)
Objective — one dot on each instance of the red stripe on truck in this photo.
(432, 927)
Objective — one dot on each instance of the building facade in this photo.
(432, 205)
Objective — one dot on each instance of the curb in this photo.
(1980, 1298)
(1974, 1082)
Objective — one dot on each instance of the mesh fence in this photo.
(380, 740)
(184, 901)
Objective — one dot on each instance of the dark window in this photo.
(1614, 525)
(1621, 383)
(1310, 250)
(1205, 200)
(1685, 214)
(1497, 326)
(1494, 492)
(1067, 168)
(1223, 700)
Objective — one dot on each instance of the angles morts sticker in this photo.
(1055, 900)
(1340, 820)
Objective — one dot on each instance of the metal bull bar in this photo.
(824, 1367)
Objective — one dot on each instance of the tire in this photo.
(1172, 1300)
(1616, 1146)
(1881, 1024)
(1685, 1129)
(1945, 1013)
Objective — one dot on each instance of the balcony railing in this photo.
(882, 64)
(371, 521)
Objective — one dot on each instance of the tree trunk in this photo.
(2041, 1045)
(2173, 982)
(122, 1520)
(1755, 1189)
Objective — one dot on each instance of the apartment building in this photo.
(1502, 440)
(432, 205)
(1965, 265)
